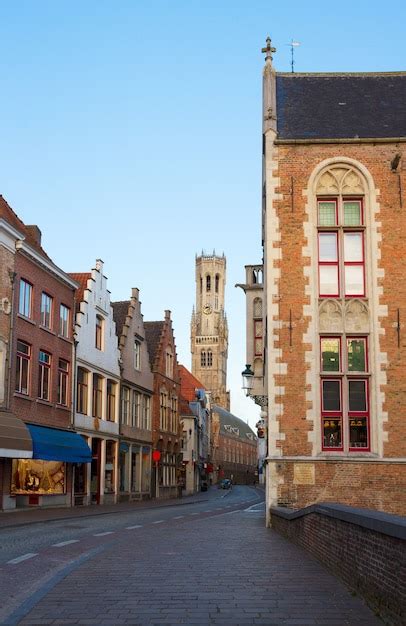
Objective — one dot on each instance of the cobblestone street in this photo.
(196, 567)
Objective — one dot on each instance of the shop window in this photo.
(109, 477)
(23, 367)
(34, 476)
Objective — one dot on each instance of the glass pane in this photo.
(353, 247)
(357, 397)
(328, 280)
(327, 213)
(327, 247)
(332, 432)
(331, 395)
(354, 280)
(358, 432)
(352, 213)
(356, 360)
(330, 355)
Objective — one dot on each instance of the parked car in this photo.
(225, 483)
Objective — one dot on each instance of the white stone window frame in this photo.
(377, 311)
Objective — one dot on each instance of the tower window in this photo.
(217, 282)
(208, 282)
(209, 358)
(203, 359)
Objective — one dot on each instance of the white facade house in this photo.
(97, 391)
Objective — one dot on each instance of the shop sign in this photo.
(156, 456)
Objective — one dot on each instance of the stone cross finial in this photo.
(268, 50)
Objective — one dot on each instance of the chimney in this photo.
(167, 314)
(35, 233)
(135, 293)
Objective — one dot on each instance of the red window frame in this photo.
(326, 415)
(353, 415)
(23, 357)
(353, 199)
(327, 199)
(335, 264)
(354, 263)
(329, 338)
(357, 373)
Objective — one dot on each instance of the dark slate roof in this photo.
(120, 312)
(341, 106)
(233, 426)
(153, 332)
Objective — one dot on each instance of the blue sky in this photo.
(131, 132)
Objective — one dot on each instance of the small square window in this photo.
(356, 355)
(330, 354)
(352, 213)
(327, 213)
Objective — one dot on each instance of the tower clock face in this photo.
(207, 309)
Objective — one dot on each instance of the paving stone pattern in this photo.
(227, 570)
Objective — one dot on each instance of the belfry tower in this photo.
(209, 331)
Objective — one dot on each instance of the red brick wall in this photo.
(30, 409)
(6, 267)
(336, 481)
(379, 486)
(371, 563)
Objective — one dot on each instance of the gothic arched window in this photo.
(209, 358)
(203, 358)
(217, 282)
(208, 282)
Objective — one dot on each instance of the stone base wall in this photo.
(365, 549)
(365, 484)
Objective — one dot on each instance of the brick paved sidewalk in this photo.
(226, 571)
(21, 517)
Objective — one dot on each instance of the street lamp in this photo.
(247, 379)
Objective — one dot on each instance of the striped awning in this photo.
(15, 439)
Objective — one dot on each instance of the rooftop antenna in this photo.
(293, 44)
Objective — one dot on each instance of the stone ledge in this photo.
(378, 521)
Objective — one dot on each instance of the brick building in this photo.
(234, 447)
(195, 416)
(166, 427)
(137, 386)
(37, 395)
(334, 181)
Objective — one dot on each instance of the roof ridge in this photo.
(343, 74)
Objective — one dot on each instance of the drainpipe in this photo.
(12, 276)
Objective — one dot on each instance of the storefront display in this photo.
(36, 476)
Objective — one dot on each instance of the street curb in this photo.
(97, 513)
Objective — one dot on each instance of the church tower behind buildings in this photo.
(209, 331)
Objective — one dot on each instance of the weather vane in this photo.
(293, 44)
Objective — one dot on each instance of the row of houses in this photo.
(91, 402)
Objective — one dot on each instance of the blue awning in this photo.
(50, 444)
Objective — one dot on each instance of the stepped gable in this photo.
(232, 425)
(120, 313)
(153, 335)
(81, 278)
(341, 105)
(188, 384)
(31, 233)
